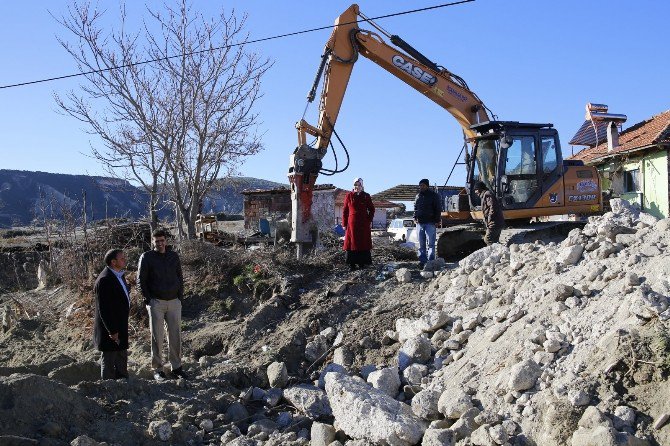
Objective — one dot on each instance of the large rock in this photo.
(414, 350)
(604, 436)
(407, 329)
(386, 380)
(569, 255)
(332, 367)
(366, 413)
(316, 348)
(277, 374)
(432, 320)
(403, 275)
(82, 440)
(475, 260)
(322, 434)
(309, 400)
(160, 430)
(524, 375)
(425, 404)
(438, 437)
(454, 403)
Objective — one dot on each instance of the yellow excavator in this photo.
(521, 163)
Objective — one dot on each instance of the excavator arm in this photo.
(347, 42)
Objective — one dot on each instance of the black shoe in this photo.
(421, 265)
(352, 267)
(159, 376)
(361, 266)
(179, 373)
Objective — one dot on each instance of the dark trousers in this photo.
(114, 364)
(492, 236)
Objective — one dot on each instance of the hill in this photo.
(26, 195)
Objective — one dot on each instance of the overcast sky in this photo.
(528, 60)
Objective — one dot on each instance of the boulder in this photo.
(438, 437)
(309, 400)
(413, 350)
(322, 434)
(403, 275)
(425, 404)
(386, 380)
(82, 440)
(569, 255)
(454, 403)
(277, 374)
(332, 367)
(366, 413)
(524, 374)
(160, 430)
(316, 348)
(432, 320)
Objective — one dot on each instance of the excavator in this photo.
(521, 163)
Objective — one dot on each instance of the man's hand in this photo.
(115, 337)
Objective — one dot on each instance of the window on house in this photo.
(631, 180)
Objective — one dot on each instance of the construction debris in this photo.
(548, 344)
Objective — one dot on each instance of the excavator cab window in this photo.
(549, 155)
(521, 171)
(486, 159)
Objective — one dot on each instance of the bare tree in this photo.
(181, 121)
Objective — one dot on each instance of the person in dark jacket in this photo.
(357, 214)
(161, 282)
(493, 214)
(112, 307)
(427, 214)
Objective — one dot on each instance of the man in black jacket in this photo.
(112, 307)
(161, 282)
(427, 213)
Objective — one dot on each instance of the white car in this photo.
(403, 230)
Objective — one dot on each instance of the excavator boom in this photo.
(521, 162)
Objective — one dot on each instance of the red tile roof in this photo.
(655, 130)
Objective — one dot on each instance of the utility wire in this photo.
(263, 39)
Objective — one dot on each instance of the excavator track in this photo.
(456, 242)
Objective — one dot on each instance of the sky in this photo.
(528, 60)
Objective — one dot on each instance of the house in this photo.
(275, 204)
(634, 164)
(327, 201)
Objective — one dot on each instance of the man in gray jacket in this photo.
(161, 282)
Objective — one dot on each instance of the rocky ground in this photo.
(533, 344)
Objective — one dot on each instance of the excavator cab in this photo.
(519, 162)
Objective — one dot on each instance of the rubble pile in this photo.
(532, 344)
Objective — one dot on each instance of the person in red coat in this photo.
(357, 214)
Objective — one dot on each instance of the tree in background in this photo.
(175, 124)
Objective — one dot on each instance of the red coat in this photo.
(357, 215)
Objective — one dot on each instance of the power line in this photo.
(263, 39)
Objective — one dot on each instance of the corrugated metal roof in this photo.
(407, 192)
(378, 202)
(653, 131)
(281, 190)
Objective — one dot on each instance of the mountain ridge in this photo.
(26, 196)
